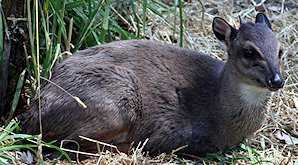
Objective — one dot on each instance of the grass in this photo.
(57, 28)
(93, 22)
(11, 141)
(63, 27)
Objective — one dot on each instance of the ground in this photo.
(276, 141)
(272, 140)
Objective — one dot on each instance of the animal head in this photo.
(254, 51)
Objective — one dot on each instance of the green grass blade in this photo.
(144, 16)
(31, 29)
(181, 23)
(97, 39)
(17, 136)
(124, 34)
(161, 4)
(106, 15)
(4, 157)
(81, 15)
(175, 17)
(18, 147)
(59, 15)
(61, 25)
(11, 126)
(60, 150)
(57, 52)
(88, 25)
(105, 21)
(154, 10)
(48, 43)
(17, 94)
(135, 17)
(43, 21)
(56, 160)
(251, 157)
(75, 4)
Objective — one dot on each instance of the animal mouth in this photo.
(261, 84)
(273, 89)
(267, 85)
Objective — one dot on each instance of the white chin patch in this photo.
(253, 96)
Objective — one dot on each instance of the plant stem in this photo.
(181, 23)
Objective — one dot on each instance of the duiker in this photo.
(173, 96)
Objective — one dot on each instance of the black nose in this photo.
(276, 81)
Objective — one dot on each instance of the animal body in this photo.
(173, 96)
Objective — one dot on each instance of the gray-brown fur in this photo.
(143, 89)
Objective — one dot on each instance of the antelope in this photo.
(173, 96)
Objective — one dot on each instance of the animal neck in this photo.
(242, 105)
(247, 96)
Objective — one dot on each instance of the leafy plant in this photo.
(10, 141)
(80, 24)
(60, 28)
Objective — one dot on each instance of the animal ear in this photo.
(223, 31)
(262, 18)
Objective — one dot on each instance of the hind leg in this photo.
(111, 133)
(117, 106)
(106, 127)
(113, 104)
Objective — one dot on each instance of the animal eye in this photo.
(258, 65)
(248, 54)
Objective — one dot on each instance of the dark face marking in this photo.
(256, 52)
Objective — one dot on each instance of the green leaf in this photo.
(88, 25)
(11, 126)
(105, 21)
(18, 147)
(5, 157)
(154, 10)
(60, 150)
(75, 4)
(16, 136)
(17, 94)
(250, 154)
(181, 23)
(106, 15)
(124, 34)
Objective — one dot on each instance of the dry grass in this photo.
(283, 112)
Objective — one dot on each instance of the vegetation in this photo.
(67, 26)
(57, 29)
